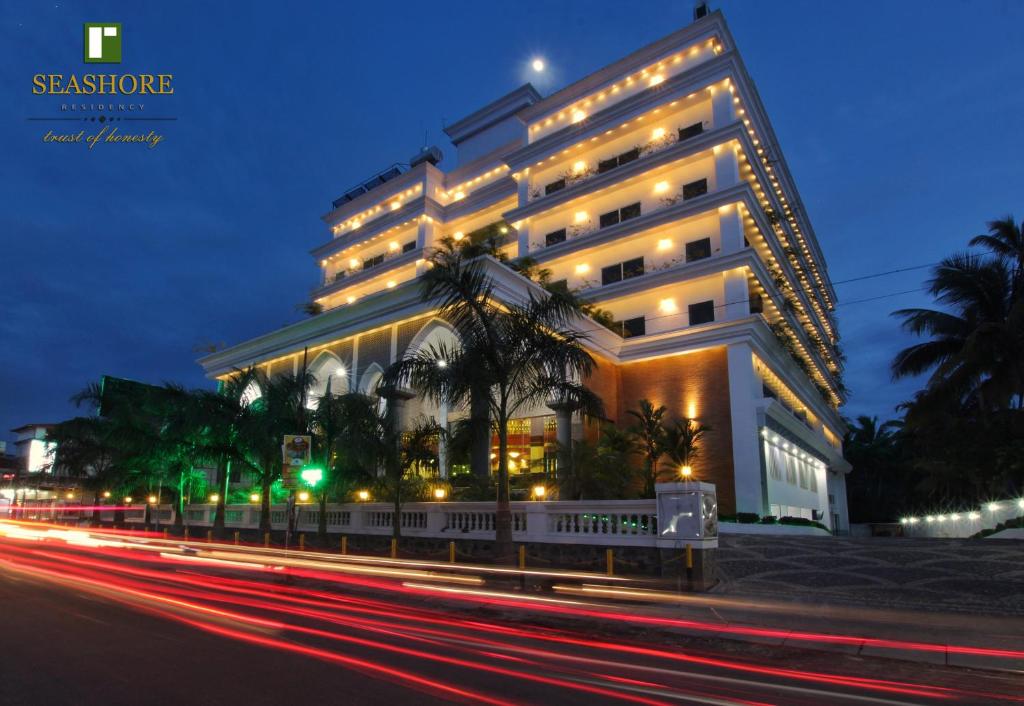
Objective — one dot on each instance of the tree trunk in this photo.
(479, 436)
(223, 469)
(96, 508)
(396, 516)
(265, 503)
(321, 525)
(503, 550)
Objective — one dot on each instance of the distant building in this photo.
(655, 187)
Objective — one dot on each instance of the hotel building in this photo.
(656, 188)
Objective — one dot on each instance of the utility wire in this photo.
(883, 274)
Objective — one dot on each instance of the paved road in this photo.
(95, 621)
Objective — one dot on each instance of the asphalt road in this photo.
(90, 622)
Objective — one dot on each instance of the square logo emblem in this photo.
(102, 43)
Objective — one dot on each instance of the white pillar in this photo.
(425, 237)
(727, 167)
(730, 228)
(442, 444)
(737, 295)
(524, 237)
(723, 110)
(744, 390)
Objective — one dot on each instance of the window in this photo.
(634, 327)
(557, 236)
(373, 261)
(756, 304)
(702, 313)
(622, 270)
(698, 249)
(695, 189)
(622, 214)
(411, 245)
(559, 285)
(685, 133)
(630, 211)
(554, 186)
(606, 165)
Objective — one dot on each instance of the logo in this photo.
(102, 43)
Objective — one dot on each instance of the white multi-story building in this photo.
(656, 188)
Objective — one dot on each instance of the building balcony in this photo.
(342, 280)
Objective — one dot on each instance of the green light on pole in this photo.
(311, 475)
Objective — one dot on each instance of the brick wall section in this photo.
(695, 383)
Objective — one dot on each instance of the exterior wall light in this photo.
(458, 235)
(363, 495)
(658, 133)
(254, 497)
(539, 491)
(303, 497)
(70, 496)
(215, 497)
(440, 493)
(106, 493)
(686, 471)
(661, 187)
(579, 167)
(578, 115)
(992, 507)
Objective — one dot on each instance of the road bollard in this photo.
(689, 557)
(302, 542)
(266, 539)
(451, 552)
(609, 562)
(344, 545)
(165, 534)
(522, 556)
(394, 548)
(209, 536)
(237, 533)
(186, 534)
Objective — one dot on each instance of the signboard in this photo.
(295, 452)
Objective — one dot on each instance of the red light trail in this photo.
(386, 628)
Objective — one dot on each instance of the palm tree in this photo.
(649, 432)
(510, 356)
(279, 410)
(346, 443)
(976, 351)
(1005, 240)
(683, 443)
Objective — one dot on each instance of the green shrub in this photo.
(769, 520)
(747, 517)
(801, 521)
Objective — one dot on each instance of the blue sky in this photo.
(900, 121)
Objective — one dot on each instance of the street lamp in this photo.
(254, 498)
(106, 494)
(127, 499)
(215, 497)
(363, 495)
(686, 471)
(303, 497)
(152, 500)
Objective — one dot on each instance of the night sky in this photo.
(901, 123)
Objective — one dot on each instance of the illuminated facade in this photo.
(656, 188)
